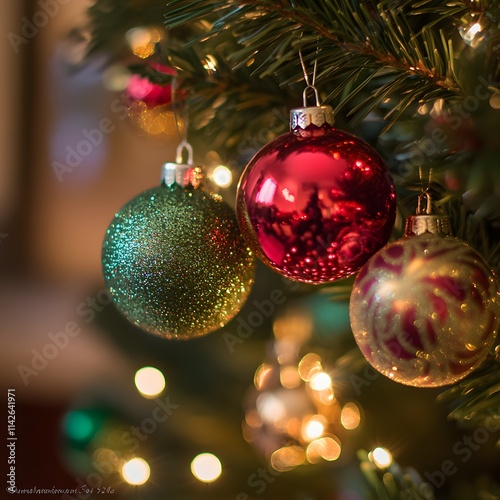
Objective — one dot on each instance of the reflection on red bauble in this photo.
(316, 203)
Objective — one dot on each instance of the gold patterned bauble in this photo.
(174, 260)
(424, 309)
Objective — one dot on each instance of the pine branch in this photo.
(346, 40)
(110, 20)
(463, 14)
(393, 482)
(476, 399)
(227, 104)
(441, 10)
(444, 9)
(365, 56)
(369, 60)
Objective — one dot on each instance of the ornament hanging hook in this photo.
(304, 70)
(309, 84)
(429, 178)
(182, 135)
(424, 202)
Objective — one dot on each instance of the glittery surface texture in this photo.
(424, 310)
(175, 262)
(316, 206)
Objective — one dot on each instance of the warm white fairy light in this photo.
(222, 176)
(472, 32)
(136, 471)
(350, 416)
(381, 457)
(149, 381)
(313, 428)
(206, 467)
(210, 63)
(320, 381)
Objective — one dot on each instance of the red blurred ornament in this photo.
(459, 133)
(152, 94)
(316, 203)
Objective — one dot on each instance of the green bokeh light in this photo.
(79, 425)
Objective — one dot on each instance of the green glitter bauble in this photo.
(175, 262)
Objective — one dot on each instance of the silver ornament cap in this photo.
(183, 174)
(301, 118)
(313, 115)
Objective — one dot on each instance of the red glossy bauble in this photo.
(316, 203)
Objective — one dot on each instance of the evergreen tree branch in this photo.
(392, 482)
(464, 14)
(344, 39)
(110, 20)
(361, 51)
(232, 108)
(476, 399)
(443, 9)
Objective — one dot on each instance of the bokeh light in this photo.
(327, 448)
(143, 40)
(136, 471)
(79, 425)
(222, 176)
(381, 457)
(271, 408)
(105, 455)
(309, 365)
(206, 467)
(313, 428)
(294, 417)
(495, 100)
(263, 375)
(296, 327)
(149, 381)
(472, 34)
(289, 377)
(210, 63)
(287, 458)
(320, 381)
(350, 416)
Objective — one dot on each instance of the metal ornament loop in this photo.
(179, 152)
(428, 203)
(316, 95)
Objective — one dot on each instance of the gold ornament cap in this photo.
(183, 174)
(301, 118)
(426, 222)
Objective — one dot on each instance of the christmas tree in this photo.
(418, 81)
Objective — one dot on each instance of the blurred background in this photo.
(83, 415)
